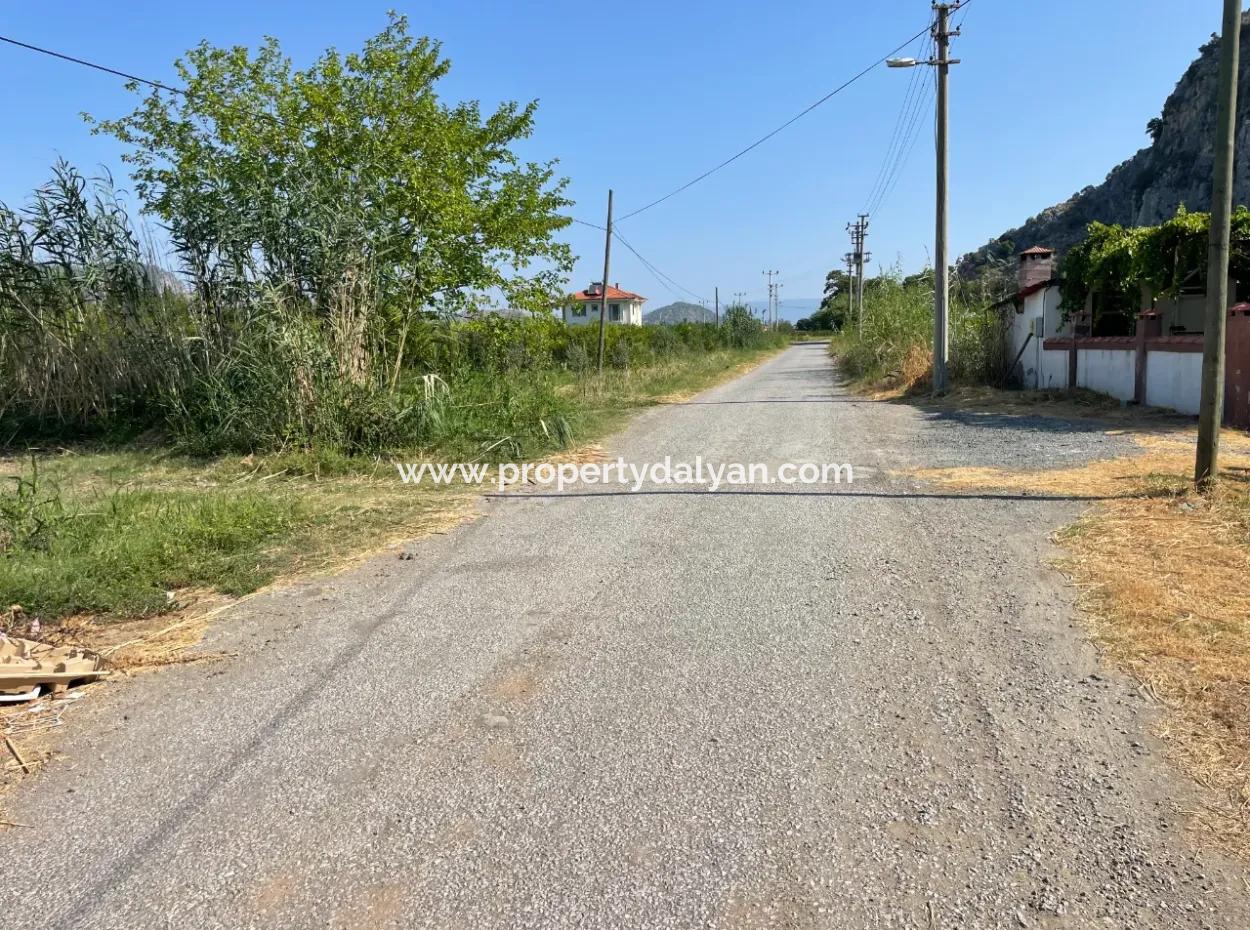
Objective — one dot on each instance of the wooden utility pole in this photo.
(1211, 406)
(717, 299)
(603, 287)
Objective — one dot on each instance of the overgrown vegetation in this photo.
(1113, 262)
(328, 224)
(125, 532)
(892, 346)
(335, 234)
(334, 231)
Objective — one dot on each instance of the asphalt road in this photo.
(842, 707)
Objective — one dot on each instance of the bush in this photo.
(894, 344)
(576, 358)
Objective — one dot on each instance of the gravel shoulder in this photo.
(846, 707)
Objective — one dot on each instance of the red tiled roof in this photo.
(614, 293)
(1035, 287)
(1038, 250)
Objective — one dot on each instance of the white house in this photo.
(1155, 359)
(1037, 318)
(623, 306)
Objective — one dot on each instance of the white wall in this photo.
(1053, 370)
(1036, 368)
(1107, 371)
(1017, 336)
(1174, 380)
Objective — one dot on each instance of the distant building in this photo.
(623, 306)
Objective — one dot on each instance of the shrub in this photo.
(894, 343)
(618, 357)
(576, 358)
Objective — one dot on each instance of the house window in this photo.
(614, 313)
(579, 310)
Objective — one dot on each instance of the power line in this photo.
(909, 121)
(660, 276)
(907, 143)
(963, 19)
(794, 119)
(896, 137)
(91, 64)
(177, 90)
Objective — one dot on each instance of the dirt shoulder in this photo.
(1161, 573)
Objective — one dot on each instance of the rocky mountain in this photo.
(1174, 169)
(680, 312)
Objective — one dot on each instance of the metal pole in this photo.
(1211, 406)
(607, 273)
(941, 284)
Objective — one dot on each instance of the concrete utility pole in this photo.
(941, 283)
(603, 287)
(860, 258)
(942, 34)
(1211, 406)
(849, 258)
(856, 257)
(717, 298)
(769, 314)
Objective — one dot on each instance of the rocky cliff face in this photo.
(1145, 190)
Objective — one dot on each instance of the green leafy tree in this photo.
(837, 284)
(347, 180)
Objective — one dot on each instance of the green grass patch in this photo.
(128, 551)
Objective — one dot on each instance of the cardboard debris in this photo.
(26, 665)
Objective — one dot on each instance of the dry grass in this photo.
(913, 377)
(1164, 466)
(1162, 575)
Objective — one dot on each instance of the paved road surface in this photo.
(856, 707)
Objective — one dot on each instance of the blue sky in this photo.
(642, 96)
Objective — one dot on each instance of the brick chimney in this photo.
(1037, 266)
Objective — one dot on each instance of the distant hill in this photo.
(681, 312)
(1174, 169)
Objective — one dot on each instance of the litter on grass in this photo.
(27, 668)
